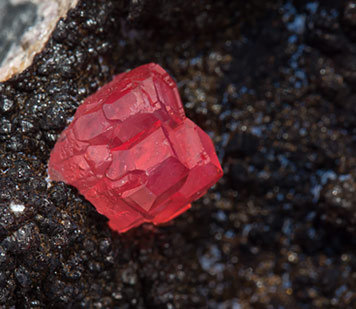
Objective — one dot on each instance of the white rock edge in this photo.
(33, 41)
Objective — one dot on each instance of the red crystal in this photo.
(131, 151)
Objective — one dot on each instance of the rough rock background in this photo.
(274, 84)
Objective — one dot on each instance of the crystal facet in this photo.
(131, 151)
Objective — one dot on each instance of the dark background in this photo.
(273, 82)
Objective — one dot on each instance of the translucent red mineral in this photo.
(131, 151)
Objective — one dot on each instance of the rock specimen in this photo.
(25, 27)
(132, 152)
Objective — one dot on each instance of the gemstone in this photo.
(132, 152)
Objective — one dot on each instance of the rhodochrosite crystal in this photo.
(131, 151)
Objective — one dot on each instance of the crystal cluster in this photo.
(131, 151)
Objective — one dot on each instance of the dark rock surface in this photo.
(274, 84)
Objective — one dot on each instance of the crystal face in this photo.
(131, 151)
